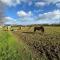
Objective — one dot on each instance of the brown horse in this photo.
(39, 28)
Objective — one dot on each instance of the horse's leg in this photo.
(34, 29)
(42, 30)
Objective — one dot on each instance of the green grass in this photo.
(30, 45)
(10, 49)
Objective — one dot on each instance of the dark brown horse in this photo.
(39, 28)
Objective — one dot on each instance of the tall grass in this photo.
(10, 49)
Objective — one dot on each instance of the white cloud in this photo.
(45, 18)
(22, 21)
(21, 13)
(29, 2)
(10, 2)
(30, 13)
(38, 4)
(24, 14)
(52, 1)
(47, 2)
(15, 2)
(54, 15)
(49, 17)
(10, 20)
(58, 5)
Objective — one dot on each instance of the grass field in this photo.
(29, 45)
(10, 49)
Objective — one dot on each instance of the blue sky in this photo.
(31, 11)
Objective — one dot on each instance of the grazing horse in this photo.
(39, 28)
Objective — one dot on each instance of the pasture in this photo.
(25, 44)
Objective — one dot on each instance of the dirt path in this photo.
(23, 47)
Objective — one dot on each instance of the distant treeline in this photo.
(35, 25)
(44, 25)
